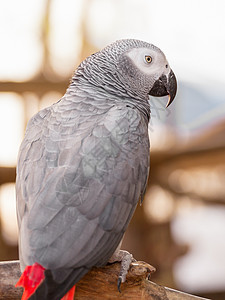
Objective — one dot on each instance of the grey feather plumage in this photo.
(83, 166)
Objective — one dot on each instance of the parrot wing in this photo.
(79, 180)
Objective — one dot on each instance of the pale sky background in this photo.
(191, 34)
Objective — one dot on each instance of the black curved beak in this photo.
(165, 86)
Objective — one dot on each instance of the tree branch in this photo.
(100, 283)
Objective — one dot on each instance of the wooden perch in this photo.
(100, 283)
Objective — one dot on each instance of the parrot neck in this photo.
(111, 98)
(101, 87)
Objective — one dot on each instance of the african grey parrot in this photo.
(83, 166)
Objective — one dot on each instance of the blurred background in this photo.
(180, 228)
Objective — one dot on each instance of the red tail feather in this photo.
(69, 295)
(30, 279)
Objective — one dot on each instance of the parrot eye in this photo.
(148, 59)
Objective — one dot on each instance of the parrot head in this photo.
(130, 68)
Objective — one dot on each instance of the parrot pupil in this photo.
(148, 58)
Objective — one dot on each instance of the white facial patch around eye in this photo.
(157, 65)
